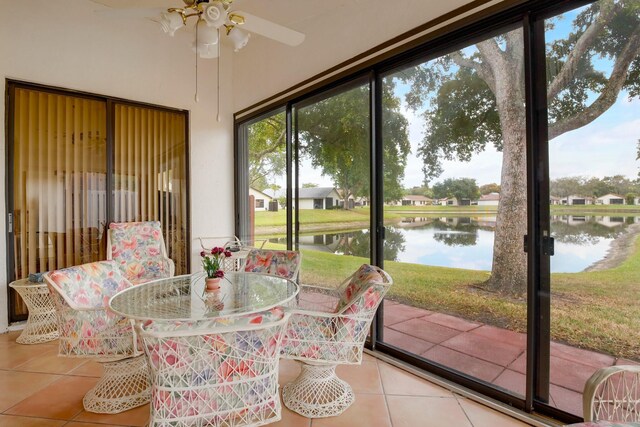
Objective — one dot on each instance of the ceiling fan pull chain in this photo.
(219, 43)
(196, 95)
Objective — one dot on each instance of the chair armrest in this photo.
(613, 393)
(172, 267)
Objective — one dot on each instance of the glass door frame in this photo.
(109, 102)
(537, 244)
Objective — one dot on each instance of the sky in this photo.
(605, 147)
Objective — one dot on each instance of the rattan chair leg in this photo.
(318, 392)
(124, 385)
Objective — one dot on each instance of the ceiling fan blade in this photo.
(152, 13)
(270, 29)
(138, 4)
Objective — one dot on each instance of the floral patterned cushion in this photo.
(88, 285)
(138, 248)
(279, 263)
(363, 278)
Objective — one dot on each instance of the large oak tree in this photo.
(476, 97)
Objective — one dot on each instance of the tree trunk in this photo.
(509, 270)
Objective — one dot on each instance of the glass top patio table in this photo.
(184, 297)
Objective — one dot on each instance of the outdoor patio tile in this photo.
(16, 386)
(88, 369)
(496, 352)
(368, 410)
(567, 400)
(520, 364)
(464, 363)
(363, 378)
(400, 313)
(512, 381)
(411, 411)
(133, 417)
(15, 421)
(585, 357)
(49, 362)
(452, 322)
(481, 416)
(506, 336)
(61, 399)
(396, 381)
(406, 342)
(568, 374)
(426, 331)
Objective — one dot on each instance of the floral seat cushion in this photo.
(366, 277)
(279, 263)
(138, 248)
(90, 285)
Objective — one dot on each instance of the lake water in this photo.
(464, 242)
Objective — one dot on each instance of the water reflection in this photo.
(465, 242)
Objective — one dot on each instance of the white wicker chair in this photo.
(329, 328)
(139, 250)
(87, 329)
(222, 372)
(613, 394)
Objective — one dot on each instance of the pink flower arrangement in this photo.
(212, 261)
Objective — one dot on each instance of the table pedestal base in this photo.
(318, 392)
(124, 385)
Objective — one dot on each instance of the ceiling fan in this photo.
(213, 19)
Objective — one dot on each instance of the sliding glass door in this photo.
(70, 174)
(593, 122)
(496, 180)
(455, 210)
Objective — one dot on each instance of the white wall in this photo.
(64, 43)
(344, 31)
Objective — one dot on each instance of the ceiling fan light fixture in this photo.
(171, 22)
(215, 14)
(238, 37)
(206, 35)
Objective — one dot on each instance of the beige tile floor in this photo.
(38, 389)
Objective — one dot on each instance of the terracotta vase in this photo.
(212, 284)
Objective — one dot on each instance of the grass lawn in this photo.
(594, 310)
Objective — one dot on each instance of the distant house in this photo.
(261, 199)
(491, 199)
(578, 200)
(610, 199)
(416, 200)
(318, 198)
(352, 201)
(553, 200)
(449, 201)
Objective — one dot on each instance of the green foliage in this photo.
(420, 191)
(334, 133)
(593, 186)
(630, 198)
(489, 188)
(460, 188)
(309, 185)
(267, 150)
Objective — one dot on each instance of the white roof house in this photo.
(610, 199)
(491, 199)
(261, 200)
(318, 198)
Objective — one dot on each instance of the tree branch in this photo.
(273, 148)
(607, 11)
(608, 95)
(483, 71)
